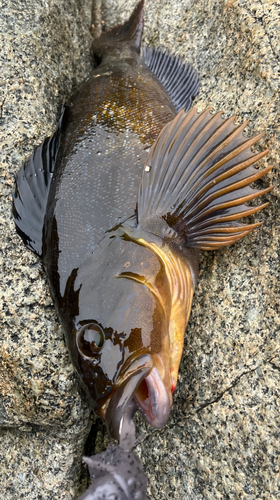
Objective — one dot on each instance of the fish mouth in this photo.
(143, 389)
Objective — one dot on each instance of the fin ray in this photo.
(236, 213)
(180, 79)
(199, 176)
(32, 189)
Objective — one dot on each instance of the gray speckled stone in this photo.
(224, 450)
(43, 414)
(222, 440)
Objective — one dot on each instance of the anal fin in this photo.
(32, 189)
(197, 180)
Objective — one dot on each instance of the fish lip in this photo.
(156, 408)
(125, 401)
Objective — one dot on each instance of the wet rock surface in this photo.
(222, 439)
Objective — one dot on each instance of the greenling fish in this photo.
(118, 203)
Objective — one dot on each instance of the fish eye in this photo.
(90, 339)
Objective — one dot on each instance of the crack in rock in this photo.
(234, 384)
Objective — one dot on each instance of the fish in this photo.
(118, 203)
(117, 472)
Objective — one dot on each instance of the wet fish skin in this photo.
(112, 120)
(123, 196)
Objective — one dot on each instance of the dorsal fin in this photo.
(197, 178)
(32, 190)
(180, 79)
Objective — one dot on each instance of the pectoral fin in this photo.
(197, 179)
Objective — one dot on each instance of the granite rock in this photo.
(222, 439)
(44, 416)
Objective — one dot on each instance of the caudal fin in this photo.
(197, 179)
(129, 33)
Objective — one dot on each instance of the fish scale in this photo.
(82, 188)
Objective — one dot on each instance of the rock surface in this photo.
(222, 440)
(44, 419)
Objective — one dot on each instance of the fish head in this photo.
(120, 339)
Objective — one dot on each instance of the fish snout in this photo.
(142, 389)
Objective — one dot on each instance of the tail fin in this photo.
(197, 178)
(129, 33)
